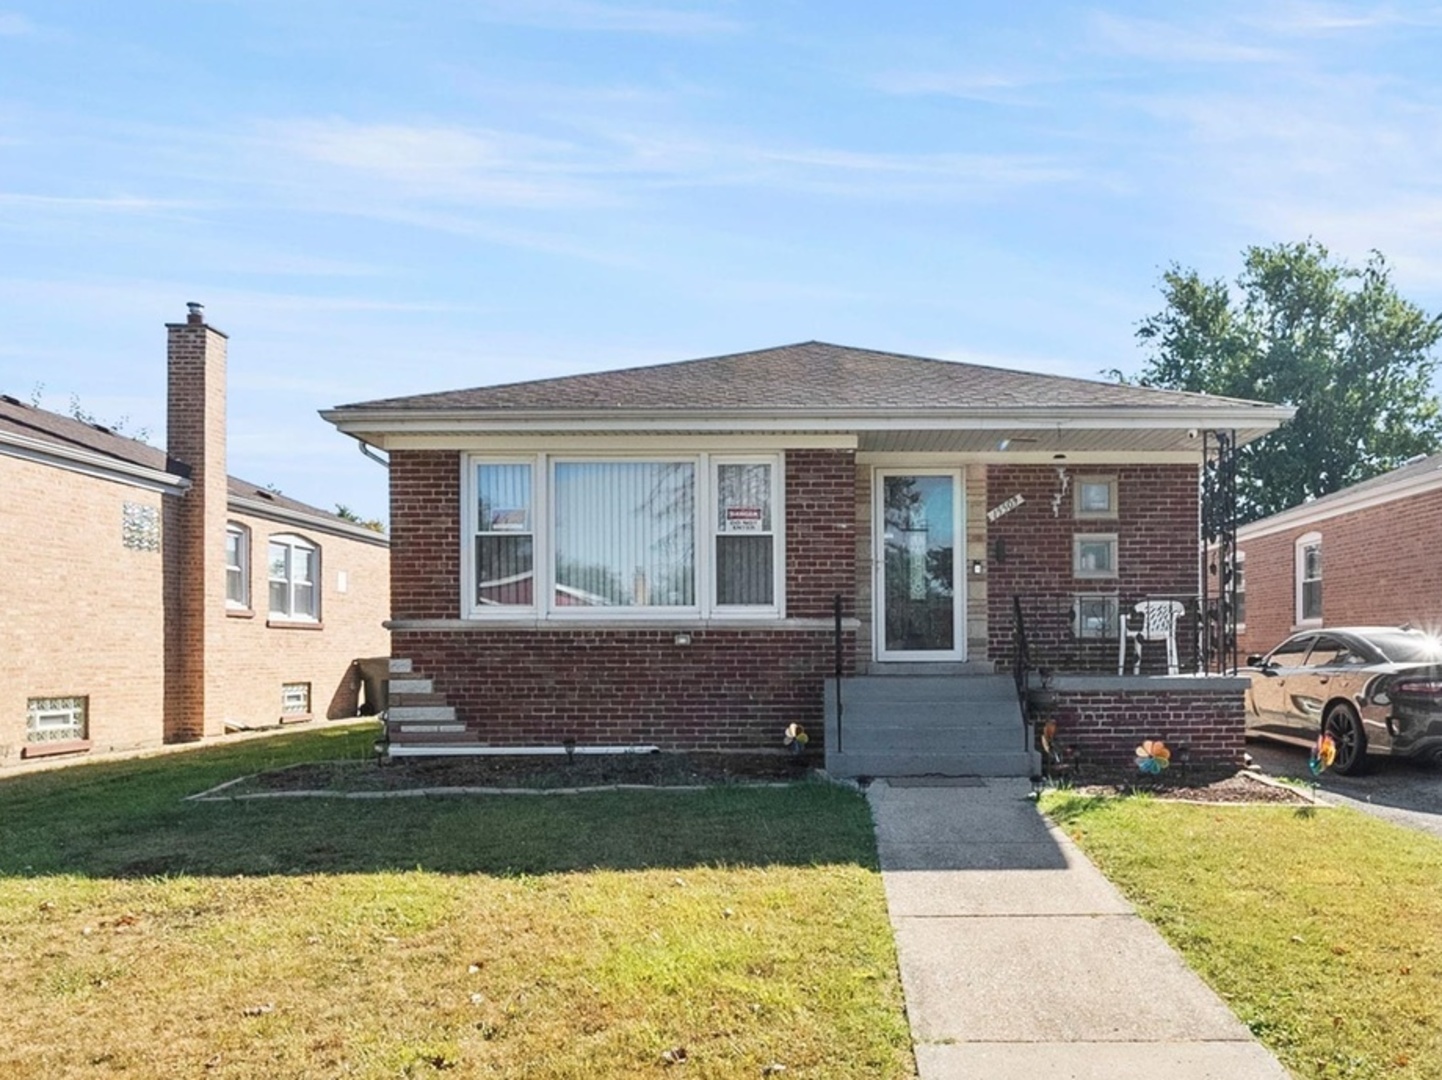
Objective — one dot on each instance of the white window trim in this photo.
(1109, 514)
(1094, 538)
(543, 605)
(1239, 575)
(295, 542)
(234, 528)
(1306, 540)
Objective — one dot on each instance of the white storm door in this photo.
(919, 588)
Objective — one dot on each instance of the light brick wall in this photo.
(195, 545)
(1379, 568)
(83, 614)
(258, 657)
(1157, 531)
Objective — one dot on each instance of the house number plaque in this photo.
(1005, 508)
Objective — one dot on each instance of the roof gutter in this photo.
(367, 423)
(91, 463)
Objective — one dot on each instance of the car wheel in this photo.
(1343, 724)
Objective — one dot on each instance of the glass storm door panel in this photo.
(919, 531)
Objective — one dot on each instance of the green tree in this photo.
(1301, 328)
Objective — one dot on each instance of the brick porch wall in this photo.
(1157, 530)
(1107, 725)
(730, 688)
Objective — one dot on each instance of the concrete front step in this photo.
(400, 665)
(411, 685)
(1017, 763)
(958, 690)
(400, 713)
(432, 738)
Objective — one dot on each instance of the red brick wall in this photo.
(730, 688)
(1108, 725)
(820, 532)
(1379, 567)
(425, 534)
(1157, 556)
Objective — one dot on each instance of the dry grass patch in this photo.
(550, 937)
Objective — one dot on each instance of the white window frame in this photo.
(294, 543)
(705, 530)
(286, 691)
(1110, 513)
(1239, 589)
(1093, 538)
(242, 567)
(1299, 561)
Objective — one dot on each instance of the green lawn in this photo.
(557, 936)
(1322, 928)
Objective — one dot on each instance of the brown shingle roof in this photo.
(810, 375)
(64, 431)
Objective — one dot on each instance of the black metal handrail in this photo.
(1021, 668)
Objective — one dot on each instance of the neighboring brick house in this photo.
(149, 597)
(652, 556)
(1362, 556)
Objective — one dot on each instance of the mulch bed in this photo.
(1212, 786)
(549, 772)
(538, 771)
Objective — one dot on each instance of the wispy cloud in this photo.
(997, 87)
(1167, 42)
(13, 24)
(1306, 19)
(591, 15)
(116, 204)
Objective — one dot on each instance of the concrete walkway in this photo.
(1019, 960)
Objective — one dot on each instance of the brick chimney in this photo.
(195, 528)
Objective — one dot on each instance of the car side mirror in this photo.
(1254, 660)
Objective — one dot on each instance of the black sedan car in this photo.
(1374, 689)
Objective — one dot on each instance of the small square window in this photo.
(1096, 497)
(295, 700)
(55, 719)
(1094, 616)
(1094, 556)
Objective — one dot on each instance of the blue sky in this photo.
(377, 198)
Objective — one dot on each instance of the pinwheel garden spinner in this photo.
(1153, 756)
(1324, 752)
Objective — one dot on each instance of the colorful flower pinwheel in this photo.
(796, 738)
(1324, 752)
(1153, 756)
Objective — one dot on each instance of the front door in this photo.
(920, 589)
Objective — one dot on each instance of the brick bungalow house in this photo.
(1362, 556)
(653, 556)
(149, 597)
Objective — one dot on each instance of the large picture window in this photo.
(294, 579)
(569, 537)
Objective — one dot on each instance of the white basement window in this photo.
(61, 719)
(294, 700)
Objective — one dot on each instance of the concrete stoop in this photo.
(927, 725)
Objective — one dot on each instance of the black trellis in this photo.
(1218, 625)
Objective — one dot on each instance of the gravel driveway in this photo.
(1398, 791)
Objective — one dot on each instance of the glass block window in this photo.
(1096, 497)
(56, 719)
(295, 699)
(1094, 556)
(140, 527)
(1095, 616)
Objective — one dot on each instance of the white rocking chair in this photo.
(1157, 621)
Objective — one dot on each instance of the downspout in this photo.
(368, 452)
